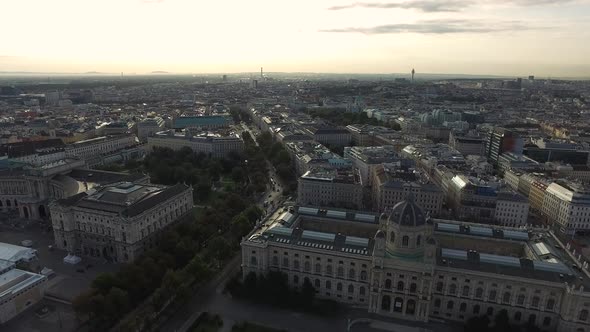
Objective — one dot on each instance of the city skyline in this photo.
(506, 38)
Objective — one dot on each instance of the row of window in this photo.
(476, 310)
(317, 284)
(351, 273)
(493, 294)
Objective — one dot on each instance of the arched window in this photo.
(413, 287)
(296, 264)
(546, 321)
(392, 237)
(465, 291)
(492, 296)
(362, 291)
(350, 289)
(583, 315)
(275, 260)
(550, 304)
(506, 297)
(307, 266)
(388, 283)
(490, 311)
(253, 261)
(463, 307)
(317, 284)
(405, 241)
(329, 269)
(535, 302)
(363, 275)
(400, 286)
(439, 286)
(351, 274)
(328, 285)
(340, 272)
(532, 319)
(437, 303)
(295, 280)
(450, 305)
(479, 293)
(318, 268)
(410, 307)
(476, 309)
(453, 289)
(386, 303)
(398, 304)
(285, 262)
(418, 240)
(520, 299)
(339, 287)
(517, 316)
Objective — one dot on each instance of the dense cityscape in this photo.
(285, 202)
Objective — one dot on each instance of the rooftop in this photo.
(15, 280)
(128, 199)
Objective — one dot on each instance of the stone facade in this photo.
(118, 222)
(417, 268)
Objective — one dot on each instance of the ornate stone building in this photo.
(119, 221)
(404, 264)
(27, 190)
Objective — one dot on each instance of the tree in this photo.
(104, 282)
(502, 322)
(307, 293)
(198, 269)
(116, 303)
(240, 226)
(237, 174)
(219, 248)
(477, 324)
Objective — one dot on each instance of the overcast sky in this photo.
(505, 37)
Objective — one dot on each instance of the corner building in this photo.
(406, 265)
(120, 221)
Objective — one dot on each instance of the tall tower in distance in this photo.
(413, 72)
(261, 73)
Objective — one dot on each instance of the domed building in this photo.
(403, 264)
(403, 242)
(407, 229)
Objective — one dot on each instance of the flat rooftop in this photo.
(15, 280)
(519, 252)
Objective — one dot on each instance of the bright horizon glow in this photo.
(496, 37)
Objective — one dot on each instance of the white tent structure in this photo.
(15, 254)
(72, 259)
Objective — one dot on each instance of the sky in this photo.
(546, 38)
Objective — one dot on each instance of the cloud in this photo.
(422, 5)
(450, 5)
(445, 26)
